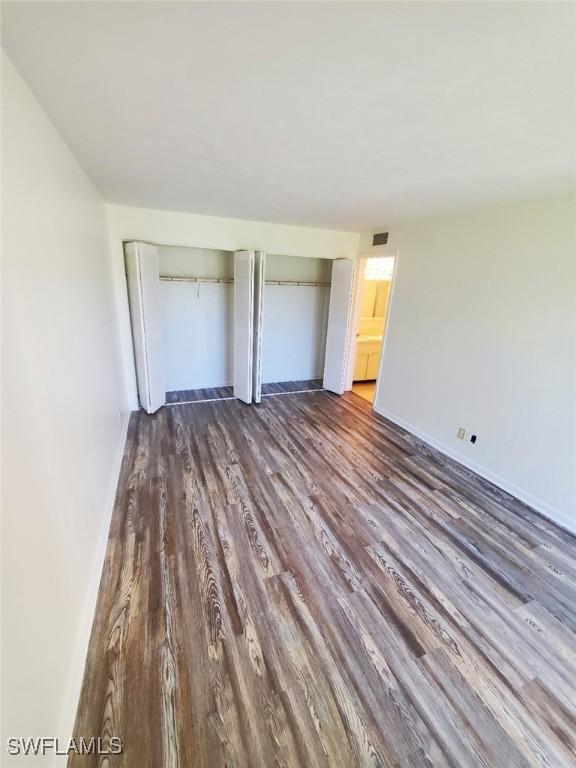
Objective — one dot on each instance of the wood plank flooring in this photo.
(302, 583)
(194, 395)
(284, 387)
(365, 389)
(220, 393)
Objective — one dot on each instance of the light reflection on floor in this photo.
(365, 389)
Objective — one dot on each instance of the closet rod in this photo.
(179, 279)
(176, 279)
(297, 282)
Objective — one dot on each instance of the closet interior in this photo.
(197, 321)
(209, 324)
(296, 298)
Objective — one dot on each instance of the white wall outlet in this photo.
(461, 433)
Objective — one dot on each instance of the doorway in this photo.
(374, 286)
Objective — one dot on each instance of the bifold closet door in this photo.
(339, 319)
(243, 324)
(259, 277)
(143, 278)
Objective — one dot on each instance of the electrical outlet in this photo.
(461, 433)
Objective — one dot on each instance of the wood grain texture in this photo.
(195, 395)
(302, 583)
(283, 387)
(219, 393)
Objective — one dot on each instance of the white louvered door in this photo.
(143, 277)
(259, 276)
(243, 324)
(339, 319)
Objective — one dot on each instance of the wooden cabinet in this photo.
(373, 365)
(361, 366)
(367, 360)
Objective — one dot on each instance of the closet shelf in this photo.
(298, 282)
(182, 279)
(177, 279)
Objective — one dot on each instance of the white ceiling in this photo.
(346, 115)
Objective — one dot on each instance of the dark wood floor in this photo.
(221, 393)
(285, 387)
(194, 395)
(301, 583)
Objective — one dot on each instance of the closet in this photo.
(191, 312)
(206, 320)
(197, 317)
(295, 301)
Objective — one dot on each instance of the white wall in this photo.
(482, 334)
(294, 332)
(195, 262)
(186, 229)
(295, 319)
(294, 268)
(197, 318)
(64, 415)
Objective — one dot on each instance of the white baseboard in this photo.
(555, 515)
(79, 660)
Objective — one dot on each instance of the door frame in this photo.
(361, 260)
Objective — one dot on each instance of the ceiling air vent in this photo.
(380, 239)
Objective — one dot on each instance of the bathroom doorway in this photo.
(373, 293)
